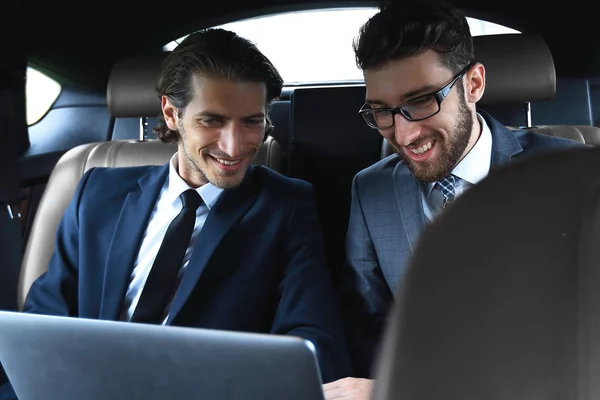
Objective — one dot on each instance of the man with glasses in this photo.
(422, 85)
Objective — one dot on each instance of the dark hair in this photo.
(407, 28)
(212, 53)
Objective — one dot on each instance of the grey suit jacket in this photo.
(386, 219)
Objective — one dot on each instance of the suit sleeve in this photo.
(309, 305)
(366, 297)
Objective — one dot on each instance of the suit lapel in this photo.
(126, 241)
(227, 212)
(505, 144)
(410, 203)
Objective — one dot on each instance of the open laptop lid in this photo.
(47, 357)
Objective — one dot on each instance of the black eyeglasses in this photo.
(416, 109)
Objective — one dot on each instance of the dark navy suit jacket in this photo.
(258, 265)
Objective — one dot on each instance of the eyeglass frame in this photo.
(439, 96)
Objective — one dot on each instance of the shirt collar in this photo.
(209, 192)
(476, 164)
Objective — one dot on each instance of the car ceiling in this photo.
(79, 42)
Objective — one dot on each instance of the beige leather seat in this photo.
(582, 133)
(130, 94)
(520, 69)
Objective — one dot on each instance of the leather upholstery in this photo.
(519, 68)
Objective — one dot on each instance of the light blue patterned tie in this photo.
(446, 187)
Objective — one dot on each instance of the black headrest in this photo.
(132, 87)
(519, 68)
(502, 297)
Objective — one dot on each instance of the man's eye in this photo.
(422, 102)
(254, 122)
(209, 121)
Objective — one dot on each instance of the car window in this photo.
(41, 92)
(316, 46)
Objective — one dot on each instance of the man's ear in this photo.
(169, 112)
(268, 128)
(475, 83)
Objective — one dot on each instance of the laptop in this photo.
(52, 358)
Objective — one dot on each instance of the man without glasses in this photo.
(207, 240)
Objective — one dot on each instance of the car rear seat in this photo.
(131, 93)
(520, 69)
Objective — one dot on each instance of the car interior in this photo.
(523, 323)
(97, 106)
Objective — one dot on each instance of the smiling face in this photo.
(220, 131)
(432, 147)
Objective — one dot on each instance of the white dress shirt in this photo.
(166, 209)
(473, 168)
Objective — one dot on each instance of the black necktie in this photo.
(159, 286)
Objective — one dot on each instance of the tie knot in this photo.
(446, 186)
(190, 199)
(447, 180)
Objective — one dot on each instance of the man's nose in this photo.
(405, 131)
(231, 139)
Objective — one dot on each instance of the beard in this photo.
(451, 148)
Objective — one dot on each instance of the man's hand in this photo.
(349, 389)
